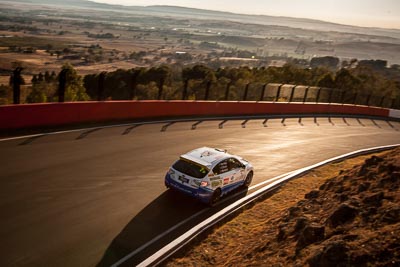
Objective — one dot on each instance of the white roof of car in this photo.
(206, 156)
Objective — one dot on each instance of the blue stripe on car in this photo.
(201, 193)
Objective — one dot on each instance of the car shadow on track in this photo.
(155, 221)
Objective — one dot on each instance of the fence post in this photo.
(263, 92)
(343, 96)
(62, 80)
(278, 93)
(318, 94)
(368, 99)
(185, 87)
(160, 87)
(228, 86)
(292, 93)
(246, 90)
(100, 88)
(382, 100)
(207, 90)
(393, 103)
(305, 94)
(136, 73)
(355, 98)
(330, 96)
(16, 83)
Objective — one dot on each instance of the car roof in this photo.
(206, 156)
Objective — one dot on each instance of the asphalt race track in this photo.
(88, 198)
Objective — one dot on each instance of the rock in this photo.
(322, 187)
(369, 213)
(374, 200)
(281, 235)
(333, 255)
(390, 168)
(282, 232)
(372, 161)
(362, 260)
(346, 177)
(300, 224)
(363, 187)
(343, 197)
(350, 237)
(312, 194)
(391, 181)
(363, 170)
(327, 185)
(339, 189)
(293, 211)
(395, 176)
(391, 215)
(343, 214)
(310, 235)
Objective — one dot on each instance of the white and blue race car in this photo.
(208, 174)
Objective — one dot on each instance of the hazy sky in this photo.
(375, 13)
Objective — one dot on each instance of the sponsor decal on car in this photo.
(183, 179)
(215, 178)
(206, 153)
(226, 180)
(215, 184)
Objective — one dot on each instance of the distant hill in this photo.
(183, 12)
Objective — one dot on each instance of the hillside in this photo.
(352, 219)
(183, 12)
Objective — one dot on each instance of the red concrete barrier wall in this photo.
(52, 114)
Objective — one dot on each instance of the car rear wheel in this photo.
(215, 197)
(248, 179)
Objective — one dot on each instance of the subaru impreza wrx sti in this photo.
(208, 174)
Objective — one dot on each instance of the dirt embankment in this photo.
(352, 219)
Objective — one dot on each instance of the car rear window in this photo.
(191, 169)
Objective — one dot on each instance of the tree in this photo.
(53, 76)
(326, 81)
(198, 72)
(160, 75)
(5, 92)
(34, 79)
(40, 77)
(137, 76)
(346, 81)
(37, 95)
(74, 89)
(47, 77)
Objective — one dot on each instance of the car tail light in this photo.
(204, 183)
